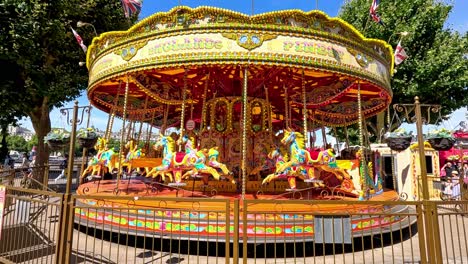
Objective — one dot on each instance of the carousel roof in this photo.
(291, 57)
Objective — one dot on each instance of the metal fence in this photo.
(113, 229)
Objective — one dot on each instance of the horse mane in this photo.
(299, 140)
(170, 143)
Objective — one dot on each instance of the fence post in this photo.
(228, 231)
(433, 232)
(421, 233)
(235, 241)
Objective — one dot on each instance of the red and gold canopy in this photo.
(208, 49)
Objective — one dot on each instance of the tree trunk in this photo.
(4, 148)
(40, 120)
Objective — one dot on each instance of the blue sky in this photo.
(458, 20)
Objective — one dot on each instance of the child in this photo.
(63, 167)
(455, 185)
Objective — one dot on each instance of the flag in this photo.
(373, 12)
(79, 40)
(400, 54)
(131, 7)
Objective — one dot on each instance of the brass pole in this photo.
(182, 112)
(270, 124)
(85, 150)
(64, 247)
(110, 121)
(434, 249)
(205, 91)
(422, 155)
(286, 112)
(122, 135)
(304, 109)
(362, 162)
(244, 132)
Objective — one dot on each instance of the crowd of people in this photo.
(450, 174)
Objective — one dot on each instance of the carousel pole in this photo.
(141, 122)
(304, 109)
(270, 125)
(362, 162)
(148, 133)
(205, 92)
(244, 132)
(110, 121)
(122, 134)
(286, 111)
(130, 128)
(182, 112)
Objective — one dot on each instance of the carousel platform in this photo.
(191, 213)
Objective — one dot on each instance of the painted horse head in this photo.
(166, 142)
(293, 138)
(101, 144)
(131, 145)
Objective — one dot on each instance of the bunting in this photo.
(373, 12)
(400, 54)
(79, 40)
(131, 7)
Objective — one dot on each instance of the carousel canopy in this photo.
(207, 49)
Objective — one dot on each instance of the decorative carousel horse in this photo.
(280, 160)
(133, 153)
(162, 170)
(103, 161)
(300, 162)
(213, 154)
(374, 186)
(328, 163)
(195, 160)
(298, 155)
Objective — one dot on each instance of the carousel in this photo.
(232, 104)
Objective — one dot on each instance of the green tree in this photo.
(436, 69)
(33, 142)
(41, 55)
(17, 143)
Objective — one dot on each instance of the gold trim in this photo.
(216, 19)
(128, 52)
(247, 40)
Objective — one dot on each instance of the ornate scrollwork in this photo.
(361, 58)
(403, 196)
(408, 109)
(116, 191)
(324, 193)
(127, 53)
(249, 41)
(100, 203)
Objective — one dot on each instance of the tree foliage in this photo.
(41, 55)
(437, 68)
(17, 143)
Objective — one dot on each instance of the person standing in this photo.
(25, 164)
(32, 166)
(455, 185)
(63, 167)
(7, 162)
(447, 168)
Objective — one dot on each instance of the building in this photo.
(21, 131)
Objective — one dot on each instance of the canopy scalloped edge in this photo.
(111, 40)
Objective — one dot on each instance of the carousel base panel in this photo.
(140, 211)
